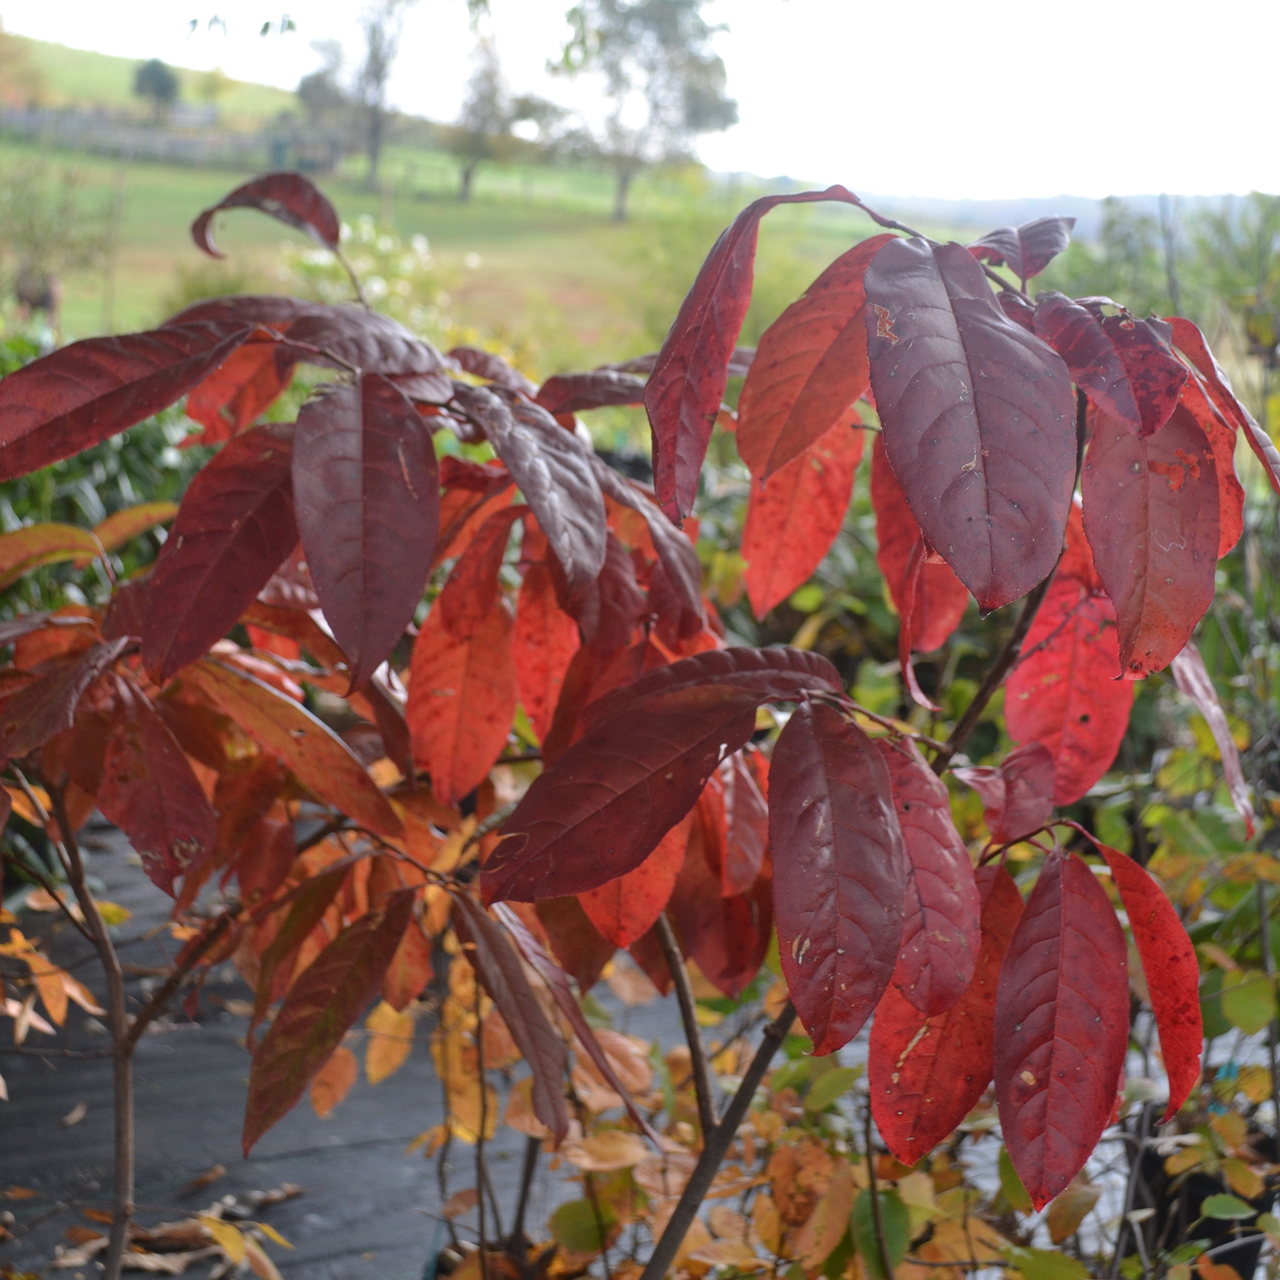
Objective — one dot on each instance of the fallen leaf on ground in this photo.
(75, 1115)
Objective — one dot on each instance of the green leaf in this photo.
(896, 1220)
(1230, 1207)
(838, 1259)
(1014, 1192)
(1046, 1264)
(1215, 1024)
(1248, 1000)
(829, 1087)
(575, 1226)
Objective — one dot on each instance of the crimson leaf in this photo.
(574, 392)
(1017, 797)
(1028, 249)
(289, 197)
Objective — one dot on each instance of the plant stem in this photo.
(689, 1016)
(715, 1147)
(886, 1271)
(122, 1043)
(1269, 968)
(1131, 1187)
(481, 1173)
(156, 1004)
(532, 1146)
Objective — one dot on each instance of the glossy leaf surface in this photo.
(286, 196)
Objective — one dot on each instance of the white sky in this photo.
(949, 98)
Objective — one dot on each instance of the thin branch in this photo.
(877, 1221)
(482, 1175)
(161, 997)
(355, 279)
(688, 1016)
(48, 886)
(518, 1242)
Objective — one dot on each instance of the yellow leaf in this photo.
(48, 979)
(1231, 1127)
(334, 1081)
(830, 1218)
(272, 1234)
(82, 996)
(429, 1142)
(262, 1266)
(113, 913)
(519, 1115)
(1255, 1083)
(765, 1222)
(390, 1040)
(226, 1237)
(1242, 1180)
(603, 1152)
(727, 1253)
(727, 1223)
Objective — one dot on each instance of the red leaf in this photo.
(1151, 514)
(366, 490)
(79, 395)
(231, 398)
(471, 590)
(1191, 343)
(492, 368)
(322, 1004)
(462, 696)
(1017, 797)
(795, 516)
(1061, 1027)
(1028, 249)
(287, 196)
(611, 607)
(269, 850)
(1221, 436)
(625, 909)
(1065, 692)
(840, 872)
(1172, 971)
(940, 936)
(810, 367)
(940, 597)
(319, 759)
(498, 968)
(1077, 555)
(1195, 683)
(926, 1074)
(544, 643)
(692, 369)
(912, 582)
(727, 937)
(648, 751)
(978, 418)
(746, 827)
(574, 392)
(573, 939)
(233, 529)
(149, 791)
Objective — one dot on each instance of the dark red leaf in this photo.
(79, 395)
(232, 398)
(1028, 249)
(978, 418)
(1151, 515)
(39, 711)
(322, 1004)
(1194, 682)
(574, 392)
(692, 369)
(366, 491)
(471, 590)
(795, 516)
(1018, 309)
(235, 526)
(1017, 797)
(1221, 436)
(492, 368)
(149, 791)
(1190, 341)
(287, 196)
(1172, 971)
(840, 872)
(1077, 555)
(940, 936)
(556, 476)
(498, 968)
(611, 608)
(573, 940)
(1066, 693)
(926, 1074)
(746, 827)
(545, 641)
(810, 367)
(462, 696)
(1061, 1027)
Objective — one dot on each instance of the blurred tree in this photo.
(320, 93)
(665, 82)
(157, 82)
(383, 23)
(21, 83)
(212, 85)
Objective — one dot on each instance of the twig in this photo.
(148, 1013)
(882, 1248)
(518, 1239)
(1269, 967)
(1131, 1187)
(48, 886)
(355, 279)
(715, 1146)
(330, 828)
(481, 1173)
(689, 1016)
(30, 1052)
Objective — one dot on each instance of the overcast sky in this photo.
(949, 98)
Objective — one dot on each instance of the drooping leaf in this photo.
(1028, 249)
(1061, 1027)
(795, 516)
(471, 590)
(321, 761)
(124, 526)
(37, 544)
(573, 940)
(366, 491)
(1151, 516)
(79, 395)
(1172, 971)
(323, 1003)
(1017, 795)
(810, 367)
(978, 418)
(610, 609)
(149, 791)
(840, 872)
(287, 196)
(545, 641)
(498, 968)
(925, 1074)
(746, 826)
(647, 752)
(1221, 436)
(233, 529)
(462, 696)
(1065, 691)
(941, 930)
(1194, 682)
(556, 476)
(493, 368)
(410, 969)
(940, 598)
(574, 392)
(235, 395)
(625, 909)
(691, 371)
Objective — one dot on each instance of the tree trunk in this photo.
(464, 187)
(373, 147)
(620, 196)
